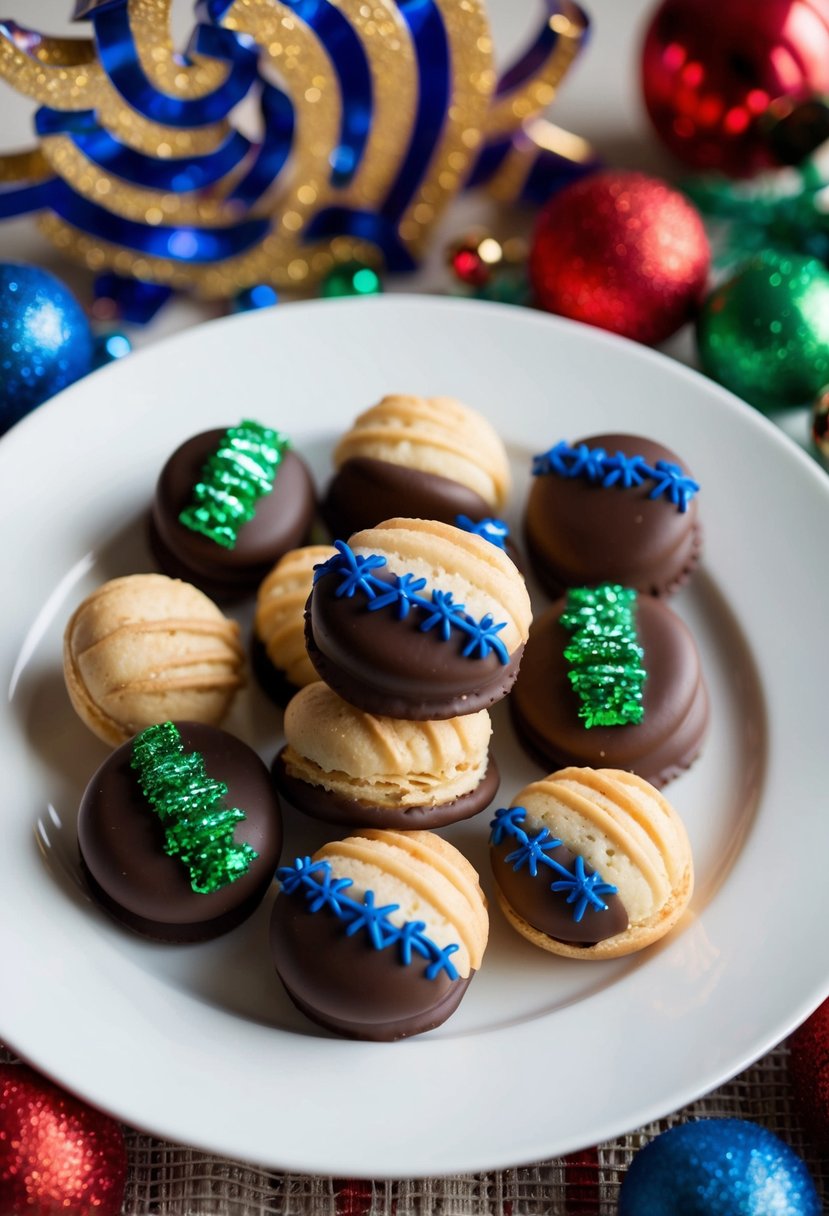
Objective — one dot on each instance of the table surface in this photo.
(600, 101)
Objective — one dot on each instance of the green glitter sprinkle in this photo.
(234, 478)
(199, 829)
(604, 655)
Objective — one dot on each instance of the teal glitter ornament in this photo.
(198, 826)
(351, 279)
(605, 658)
(45, 340)
(718, 1167)
(764, 333)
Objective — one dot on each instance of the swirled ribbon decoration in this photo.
(383, 111)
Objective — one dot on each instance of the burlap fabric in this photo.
(171, 1180)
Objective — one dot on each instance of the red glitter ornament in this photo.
(809, 1064)
(56, 1154)
(711, 69)
(622, 251)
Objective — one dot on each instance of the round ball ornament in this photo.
(56, 1154)
(45, 340)
(623, 251)
(764, 333)
(809, 1063)
(718, 1167)
(712, 68)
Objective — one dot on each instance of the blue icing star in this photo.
(402, 592)
(506, 823)
(625, 471)
(373, 919)
(533, 850)
(674, 484)
(584, 890)
(443, 612)
(493, 530)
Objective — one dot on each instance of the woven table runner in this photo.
(171, 1180)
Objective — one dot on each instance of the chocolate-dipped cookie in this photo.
(145, 648)
(345, 766)
(591, 864)
(419, 457)
(418, 619)
(280, 660)
(228, 504)
(612, 508)
(179, 832)
(378, 936)
(611, 678)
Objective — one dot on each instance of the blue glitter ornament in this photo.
(718, 1167)
(45, 340)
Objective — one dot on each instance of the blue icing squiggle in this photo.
(493, 530)
(439, 610)
(583, 889)
(314, 880)
(596, 465)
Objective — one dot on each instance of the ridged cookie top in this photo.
(621, 826)
(280, 612)
(146, 649)
(478, 574)
(383, 760)
(429, 880)
(437, 435)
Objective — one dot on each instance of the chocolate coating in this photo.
(548, 911)
(579, 533)
(332, 807)
(271, 680)
(121, 843)
(393, 668)
(545, 706)
(364, 492)
(346, 985)
(281, 522)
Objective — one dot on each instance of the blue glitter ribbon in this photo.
(278, 121)
(119, 59)
(178, 174)
(182, 244)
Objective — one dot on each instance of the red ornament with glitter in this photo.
(711, 69)
(622, 251)
(809, 1064)
(56, 1153)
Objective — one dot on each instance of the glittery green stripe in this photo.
(198, 827)
(240, 472)
(604, 655)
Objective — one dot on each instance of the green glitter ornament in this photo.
(240, 472)
(604, 655)
(198, 827)
(351, 279)
(765, 332)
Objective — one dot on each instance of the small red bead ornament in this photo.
(623, 251)
(56, 1153)
(809, 1063)
(712, 68)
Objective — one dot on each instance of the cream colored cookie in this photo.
(626, 832)
(280, 612)
(385, 762)
(429, 880)
(479, 574)
(146, 649)
(436, 435)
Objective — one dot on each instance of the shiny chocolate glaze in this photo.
(282, 521)
(364, 492)
(391, 667)
(320, 803)
(548, 911)
(346, 985)
(579, 533)
(544, 705)
(121, 843)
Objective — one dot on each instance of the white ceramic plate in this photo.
(199, 1044)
